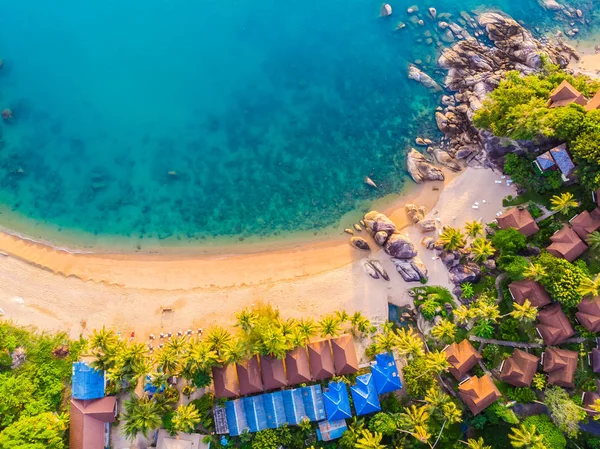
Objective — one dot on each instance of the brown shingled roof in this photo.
(589, 314)
(565, 94)
(566, 244)
(344, 355)
(462, 357)
(87, 422)
(595, 360)
(531, 290)
(586, 222)
(249, 377)
(560, 364)
(479, 393)
(297, 366)
(273, 373)
(594, 103)
(519, 219)
(226, 381)
(518, 369)
(321, 360)
(554, 325)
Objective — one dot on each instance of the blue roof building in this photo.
(331, 430)
(236, 417)
(337, 404)
(385, 374)
(293, 406)
(365, 395)
(545, 161)
(87, 383)
(313, 402)
(563, 159)
(256, 417)
(274, 409)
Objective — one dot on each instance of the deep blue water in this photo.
(196, 119)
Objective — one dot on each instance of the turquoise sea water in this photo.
(197, 119)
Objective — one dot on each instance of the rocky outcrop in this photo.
(399, 246)
(380, 237)
(428, 242)
(469, 272)
(376, 222)
(414, 73)
(420, 170)
(379, 268)
(444, 158)
(386, 10)
(427, 225)
(412, 270)
(360, 243)
(414, 212)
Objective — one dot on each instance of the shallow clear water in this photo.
(195, 119)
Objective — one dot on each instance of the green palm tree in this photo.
(246, 319)
(288, 327)
(167, 360)
(436, 362)
(308, 327)
(141, 416)
(589, 287)
(234, 352)
(360, 324)
(476, 444)
(593, 239)
(199, 358)
(535, 272)
(186, 418)
(414, 417)
(484, 329)
(563, 203)
(444, 330)
(385, 341)
(474, 228)
(369, 440)
(218, 337)
(482, 249)
(452, 239)
(104, 339)
(408, 343)
(342, 316)
(525, 312)
(330, 326)
(273, 342)
(526, 437)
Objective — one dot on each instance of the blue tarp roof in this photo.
(331, 430)
(365, 395)
(337, 404)
(87, 383)
(255, 413)
(293, 406)
(236, 417)
(562, 159)
(274, 409)
(385, 374)
(313, 402)
(545, 161)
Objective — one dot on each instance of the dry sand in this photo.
(56, 290)
(589, 64)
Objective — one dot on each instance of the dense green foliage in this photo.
(43, 431)
(564, 412)
(553, 437)
(562, 278)
(509, 242)
(523, 172)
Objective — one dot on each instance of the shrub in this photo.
(417, 384)
(429, 309)
(509, 241)
(513, 266)
(489, 353)
(522, 395)
(467, 290)
(504, 413)
(383, 423)
(553, 438)
(562, 279)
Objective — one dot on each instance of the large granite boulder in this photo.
(445, 159)
(380, 237)
(427, 225)
(469, 272)
(420, 170)
(376, 222)
(412, 270)
(360, 243)
(414, 73)
(414, 212)
(399, 246)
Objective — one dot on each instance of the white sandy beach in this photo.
(58, 291)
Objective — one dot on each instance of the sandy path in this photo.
(311, 279)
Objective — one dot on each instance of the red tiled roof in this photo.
(226, 381)
(249, 377)
(586, 222)
(531, 290)
(273, 373)
(566, 244)
(518, 369)
(297, 366)
(554, 325)
(344, 355)
(462, 357)
(479, 393)
(519, 219)
(589, 314)
(87, 422)
(560, 364)
(321, 360)
(565, 94)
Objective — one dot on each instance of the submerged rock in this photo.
(370, 182)
(414, 73)
(386, 10)
(360, 243)
(413, 270)
(399, 246)
(432, 13)
(420, 170)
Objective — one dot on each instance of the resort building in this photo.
(364, 395)
(585, 223)
(321, 360)
(564, 95)
(225, 381)
(594, 103)
(386, 375)
(478, 393)
(519, 368)
(519, 219)
(589, 314)
(462, 357)
(560, 364)
(297, 366)
(554, 325)
(566, 244)
(273, 373)
(557, 158)
(344, 355)
(594, 360)
(249, 377)
(90, 421)
(337, 404)
(179, 441)
(531, 290)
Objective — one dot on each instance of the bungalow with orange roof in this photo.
(554, 325)
(531, 290)
(594, 103)
(519, 368)
(225, 381)
(560, 364)
(478, 393)
(462, 357)
(321, 360)
(273, 373)
(564, 95)
(566, 244)
(249, 376)
(88, 420)
(594, 360)
(589, 313)
(519, 219)
(586, 222)
(344, 355)
(297, 366)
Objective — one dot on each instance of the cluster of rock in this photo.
(417, 216)
(398, 246)
(572, 17)
(420, 169)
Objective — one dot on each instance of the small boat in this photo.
(370, 182)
